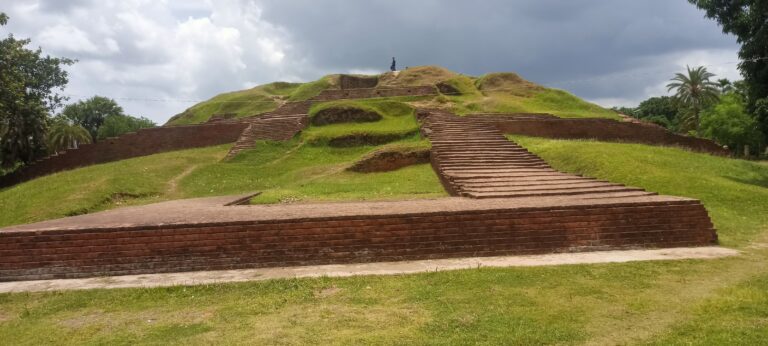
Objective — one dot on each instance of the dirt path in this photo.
(382, 268)
(172, 188)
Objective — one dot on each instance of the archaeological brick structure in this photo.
(596, 128)
(141, 143)
(190, 236)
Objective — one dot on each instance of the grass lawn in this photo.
(721, 301)
(289, 171)
(735, 192)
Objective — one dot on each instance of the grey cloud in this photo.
(601, 49)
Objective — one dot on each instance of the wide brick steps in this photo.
(219, 237)
(271, 126)
(475, 160)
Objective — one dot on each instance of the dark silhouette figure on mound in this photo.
(392, 67)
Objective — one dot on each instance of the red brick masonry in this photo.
(599, 129)
(203, 234)
(141, 143)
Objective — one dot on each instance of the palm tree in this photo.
(64, 135)
(696, 91)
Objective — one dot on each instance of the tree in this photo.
(695, 91)
(729, 123)
(664, 106)
(91, 113)
(28, 83)
(724, 85)
(748, 21)
(116, 125)
(65, 135)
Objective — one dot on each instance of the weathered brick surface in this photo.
(340, 94)
(357, 82)
(117, 251)
(141, 143)
(600, 129)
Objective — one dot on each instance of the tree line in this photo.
(30, 96)
(718, 110)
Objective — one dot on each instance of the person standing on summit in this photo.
(392, 67)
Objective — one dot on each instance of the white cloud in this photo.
(66, 38)
(155, 56)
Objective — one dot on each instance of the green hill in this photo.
(663, 302)
(491, 93)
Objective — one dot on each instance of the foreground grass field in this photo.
(715, 302)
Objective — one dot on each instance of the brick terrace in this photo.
(204, 234)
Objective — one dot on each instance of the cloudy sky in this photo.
(158, 57)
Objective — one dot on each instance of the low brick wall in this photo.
(601, 129)
(40, 254)
(141, 143)
(336, 94)
(357, 82)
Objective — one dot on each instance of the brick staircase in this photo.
(474, 159)
(279, 125)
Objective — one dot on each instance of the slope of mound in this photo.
(283, 171)
(254, 101)
(257, 100)
(735, 192)
(419, 75)
(397, 121)
(507, 83)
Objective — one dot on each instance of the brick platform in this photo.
(204, 234)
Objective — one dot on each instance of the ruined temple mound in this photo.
(336, 115)
(507, 82)
(386, 160)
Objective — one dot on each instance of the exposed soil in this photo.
(360, 139)
(390, 160)
(335, 115)
(347, 81)
(447, 89)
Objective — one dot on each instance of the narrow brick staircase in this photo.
(280, 125)
(476, 160)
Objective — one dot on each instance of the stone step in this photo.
(547, 187)
(503, 194)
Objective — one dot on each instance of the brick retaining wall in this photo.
(40, 254)
(601, 129)
(144, 142)
(336, 94)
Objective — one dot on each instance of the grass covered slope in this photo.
(720, 301)
(254, 101)
(490, 93)
(735, 192)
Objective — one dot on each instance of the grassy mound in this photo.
(419, 75)
(260, 99)
(490, 93)
(397, 121)
(283, 171)
(507, 83)
(254, 101)
(720, 301)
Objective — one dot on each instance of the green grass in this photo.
(720, 301)
(99, 187)
(254, 101)
(311, 89)
(735, 192)
(296, 171)
(552, 101)
(397, 119)
(249, 102)
(283, 171)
